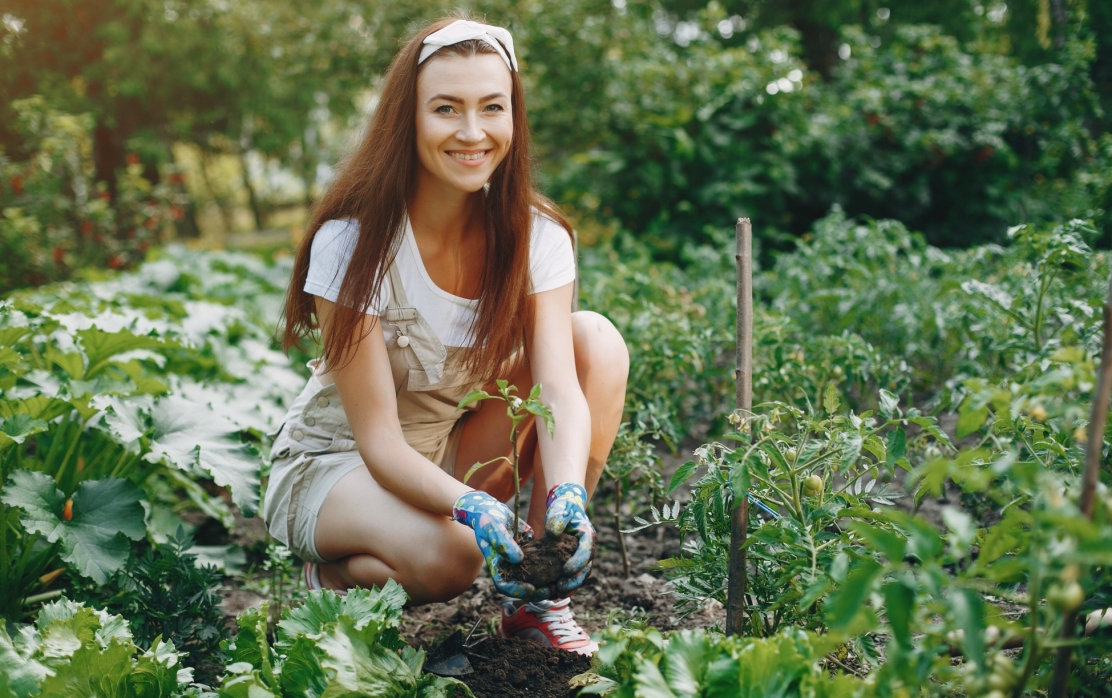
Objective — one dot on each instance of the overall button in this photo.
(403, 341)
(297, 435)
(322, 402)
(309, 421)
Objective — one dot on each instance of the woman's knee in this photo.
(598, 344)
(449, 569)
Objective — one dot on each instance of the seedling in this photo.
(518, 410)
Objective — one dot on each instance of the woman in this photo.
(432, 268)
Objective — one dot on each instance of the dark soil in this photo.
(543, 564)
(513, 668)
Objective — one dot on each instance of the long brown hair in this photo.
(372, 187)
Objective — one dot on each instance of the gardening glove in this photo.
(492, 522)
(567, 513)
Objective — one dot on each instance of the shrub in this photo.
(56, 219)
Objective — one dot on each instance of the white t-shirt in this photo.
(551, 265)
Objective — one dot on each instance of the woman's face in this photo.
(464, 121)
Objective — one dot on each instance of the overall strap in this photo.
(412, 332)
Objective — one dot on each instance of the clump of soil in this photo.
(514, 668)
(544, 560)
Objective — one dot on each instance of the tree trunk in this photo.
(252, 196)
(108, 156)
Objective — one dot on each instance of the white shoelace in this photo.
(556, 615)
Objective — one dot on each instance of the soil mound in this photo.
(513, 668)
(544, 560)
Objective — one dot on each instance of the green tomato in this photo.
(812, 485)
(791, 454)
(1066, 597)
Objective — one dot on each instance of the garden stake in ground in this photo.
(1098, 418)
(739, 518)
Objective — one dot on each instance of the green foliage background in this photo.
(667, 119)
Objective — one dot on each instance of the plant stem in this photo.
(618, 524)
(517, 483)
(1094, 449)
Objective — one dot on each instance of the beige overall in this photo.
(315, 447)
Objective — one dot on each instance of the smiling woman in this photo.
(433, 268)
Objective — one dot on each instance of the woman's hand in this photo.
(492, 522)
(567, 513)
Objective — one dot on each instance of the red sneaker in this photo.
(311, 572)
(547, 623)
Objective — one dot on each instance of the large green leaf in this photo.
(17, 428)
(188, 437)
(102, 510)
(101, 346)
(39, 500)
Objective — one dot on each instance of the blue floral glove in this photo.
(492, 522)
(567, 513)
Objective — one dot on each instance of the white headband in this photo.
(464, 30)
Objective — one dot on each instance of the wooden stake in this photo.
(743, 399)
(1094, 448)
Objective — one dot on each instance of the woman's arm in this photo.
(552, 359)
(366, 388)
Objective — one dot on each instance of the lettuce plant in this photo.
(646, 664)
(332, 645)
(72, 650)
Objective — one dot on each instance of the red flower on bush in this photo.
(132, 159)
(116, 261)
(177, 179)
(86, 227)
(177, 213)
(17, 185)
(59, 253)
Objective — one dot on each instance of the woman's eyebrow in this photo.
(459, 100)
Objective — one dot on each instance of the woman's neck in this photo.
(448, 228)
(442, 213)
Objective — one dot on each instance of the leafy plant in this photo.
(643, 662)
(518, 410)
(332, 645)
(809, 477)
(635, 470)
(149, 382)
(166, 595)
(88, 531)
(73, 650)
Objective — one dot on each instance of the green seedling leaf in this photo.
(537, 408)
(473, 397)
(682, 475)
(102, 510)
